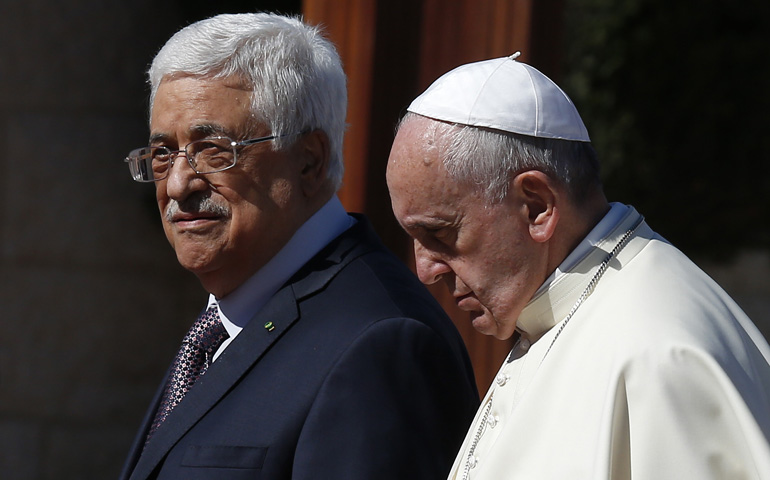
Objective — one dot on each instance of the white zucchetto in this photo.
(505, 95)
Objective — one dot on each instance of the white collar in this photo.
(596, 235)
(552, 302)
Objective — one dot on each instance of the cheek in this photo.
(257, 189)
(245, 220)
(160, 195)
(494, 279)
(255, 214)
(162, 201)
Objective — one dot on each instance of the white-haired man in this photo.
(319, 354)
(629, 362)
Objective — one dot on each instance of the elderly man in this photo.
(629, 362)
(319, 354)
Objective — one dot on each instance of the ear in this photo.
(315, 162)
(539, 197)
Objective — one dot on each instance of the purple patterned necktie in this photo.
(194, 357)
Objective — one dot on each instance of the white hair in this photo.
(295, 74)
(488, 159)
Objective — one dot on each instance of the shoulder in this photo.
(375, 285)
(661, 293)
(661, 311)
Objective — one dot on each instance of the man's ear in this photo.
(539, 197)
(315, 161)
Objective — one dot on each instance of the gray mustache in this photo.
(196, 204)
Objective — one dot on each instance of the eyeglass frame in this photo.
(173, 154)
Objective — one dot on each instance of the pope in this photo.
(629, 361)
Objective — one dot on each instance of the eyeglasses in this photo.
(209, 155)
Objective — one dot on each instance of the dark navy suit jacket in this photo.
(363, 377)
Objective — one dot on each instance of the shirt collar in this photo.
(237, 308)
(596, 235)
(553, 300)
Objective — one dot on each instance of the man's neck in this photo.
(576, 223)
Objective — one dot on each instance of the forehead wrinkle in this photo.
(199, 99)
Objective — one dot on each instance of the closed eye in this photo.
(437, 238)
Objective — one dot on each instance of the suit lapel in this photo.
(252, 343)
(239, 356)
(139, 441)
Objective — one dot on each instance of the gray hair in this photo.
(489, 159)
(295, 74)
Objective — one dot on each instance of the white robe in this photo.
(658, 375)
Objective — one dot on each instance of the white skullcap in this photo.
(505, 95)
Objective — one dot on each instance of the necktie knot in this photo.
(208, 332)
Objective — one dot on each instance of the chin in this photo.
(502, 335)
(485, 323)
(197, 262)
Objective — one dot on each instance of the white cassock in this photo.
(657, 375)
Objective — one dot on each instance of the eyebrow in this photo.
(208, 129)
(201, 130)
(426, 225)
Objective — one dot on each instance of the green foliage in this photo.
(676, 96)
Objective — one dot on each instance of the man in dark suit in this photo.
(319, 354)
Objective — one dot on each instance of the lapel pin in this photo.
(269, 326)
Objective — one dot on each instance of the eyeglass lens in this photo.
(204, 156)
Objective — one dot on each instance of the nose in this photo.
(182, 179)
(430, 268)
